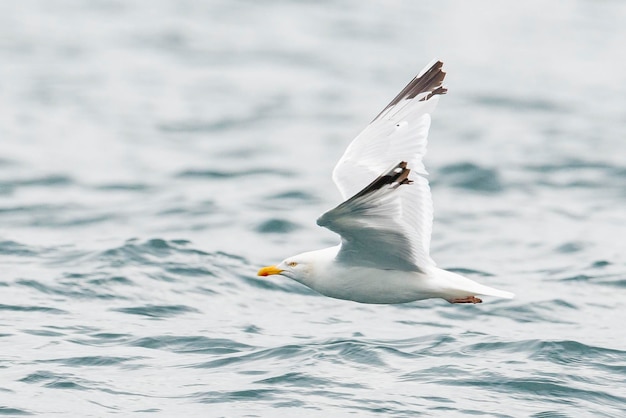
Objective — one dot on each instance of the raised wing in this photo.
(398, 133)
(371, 226)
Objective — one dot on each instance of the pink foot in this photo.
(469, 299)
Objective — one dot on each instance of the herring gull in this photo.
(385, 226)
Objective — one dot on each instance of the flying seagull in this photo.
(385, 226)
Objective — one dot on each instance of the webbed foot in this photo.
(469, 299)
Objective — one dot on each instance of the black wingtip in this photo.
(430, 81)
(396, 176)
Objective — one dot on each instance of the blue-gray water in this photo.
(153, 155)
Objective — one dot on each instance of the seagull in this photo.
(385, 224)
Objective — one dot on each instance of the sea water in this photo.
(154, 155)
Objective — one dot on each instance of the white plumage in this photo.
(385, 222)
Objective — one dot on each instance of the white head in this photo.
(299, 268)
(308, 268)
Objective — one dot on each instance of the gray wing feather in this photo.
(371, 227)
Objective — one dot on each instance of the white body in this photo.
(368, 285)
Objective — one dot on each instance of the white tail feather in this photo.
(457, 286)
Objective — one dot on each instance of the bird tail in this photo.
(457, 286)
(490, 291)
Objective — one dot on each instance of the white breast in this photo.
(369, 285)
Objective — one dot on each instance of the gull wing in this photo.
(371, 225)
(398, 133)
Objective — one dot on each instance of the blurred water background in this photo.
(155, 154)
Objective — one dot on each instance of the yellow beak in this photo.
(269, 270)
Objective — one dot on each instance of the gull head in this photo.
(295, 268)
(304, 267)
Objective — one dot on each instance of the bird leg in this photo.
(469, 299)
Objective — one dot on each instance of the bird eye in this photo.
(292, 264)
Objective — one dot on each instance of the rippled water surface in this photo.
(153, 155)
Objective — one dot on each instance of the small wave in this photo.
(173, 261)
(570, 247)
(190, 344)
(615, 283)
(13, 411)
(296, 379)
(49, 180)
(28, 308)
(573, 352)
(248, 358)
(353, 351)
(550, 414)
(600, 264)
(560, 389)
(605, 278)
(15, 248)
(91, 361)
(276, 226)
(471, 177)
(577, 165)
(543, 311)
(230, 174)
(43, 332)
(102, 339)
(44, 376)
(147, 252)
(254, 116)
(237, 395)
(47, 215)
(579, 174)
(195, 126)
(157, 311)
(294, 195)
(129, 187)
(562, 353)
(108, 281)
(519, 103)
(69, 289)
(31, 209)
